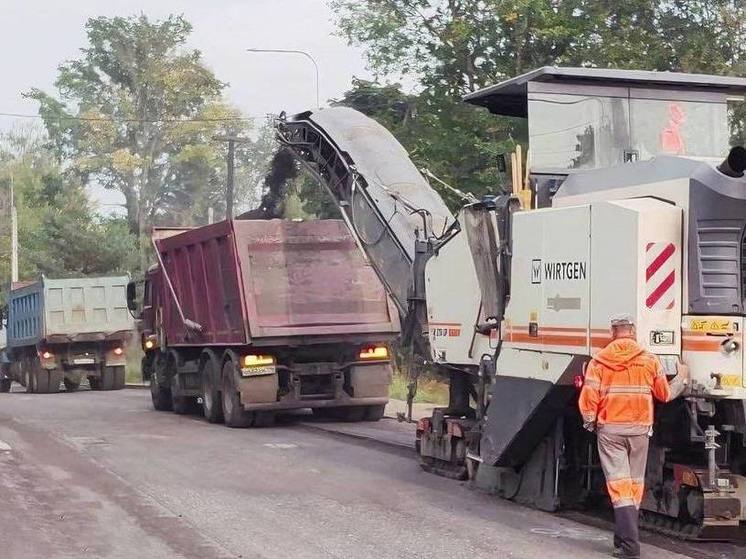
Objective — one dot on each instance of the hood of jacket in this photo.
(619, 353)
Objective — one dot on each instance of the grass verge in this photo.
(134, 358)
(429, 390)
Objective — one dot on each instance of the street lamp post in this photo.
(302, 53)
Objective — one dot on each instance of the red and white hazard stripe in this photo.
(660, 276)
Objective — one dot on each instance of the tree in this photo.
(452, 47)
(457, 46)
(59, 233)
(137, 113)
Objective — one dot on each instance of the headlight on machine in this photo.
(150, 342)
(730, 345)
(252, 365)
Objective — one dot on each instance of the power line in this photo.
(129, 120)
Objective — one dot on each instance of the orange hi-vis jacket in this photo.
(620, 384)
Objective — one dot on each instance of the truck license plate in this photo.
(84, 361)
(256, 371)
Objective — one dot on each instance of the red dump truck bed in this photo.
(269, 283)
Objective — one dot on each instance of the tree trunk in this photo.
(132, 204)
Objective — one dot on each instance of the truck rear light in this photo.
(423, 425)
(257, 365)
(46, 355)
(374, 352)
(258, 360)
(578, 381)
(149, 342)
(118, 351)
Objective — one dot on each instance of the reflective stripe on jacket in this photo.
(619, 387)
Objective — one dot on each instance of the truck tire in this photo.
(160, 395)
(342, 413)
(352, 414)
(264, 418)
(5, 385)
(40, 378)
(105, 381)
(233, 412)
(324, 413)
(146, 367)
(28, 380)
(55, 379)
(70, 386)
(119, 376)
(374, 413)
(180, 404)
(212, 406)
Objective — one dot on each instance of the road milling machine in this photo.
(626, 207)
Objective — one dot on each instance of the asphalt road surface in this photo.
(100, 474)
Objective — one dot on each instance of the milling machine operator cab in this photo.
(590, 118)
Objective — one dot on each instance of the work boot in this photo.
(626, 539)
(621, 554)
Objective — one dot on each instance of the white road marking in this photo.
(4, 447)
(282, 446)
(571, 533)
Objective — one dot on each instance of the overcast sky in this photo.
(37, 35)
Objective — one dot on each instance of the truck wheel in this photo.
(323, 413)
(160, 395)
(5, 385)
(211, 404)
(353, 414)
(118, 373)
(374, 413)
(180, 404)
(107, 378)
(28, 381)
(40, 379)
(234, 414)
(264, 418)
(146, 367)
(55, 379)
(70, 386)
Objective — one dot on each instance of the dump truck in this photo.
(252, 317)
(632, 202)
(62, 331)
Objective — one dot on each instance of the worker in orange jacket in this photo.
(617, 402)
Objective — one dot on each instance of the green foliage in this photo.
(429, 390)
(455, 46)
(452, 47)
(58, 232)
(138, 113)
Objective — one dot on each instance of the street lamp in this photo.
(302, 53)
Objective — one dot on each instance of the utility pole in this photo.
(13, 235)
(231, 164)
